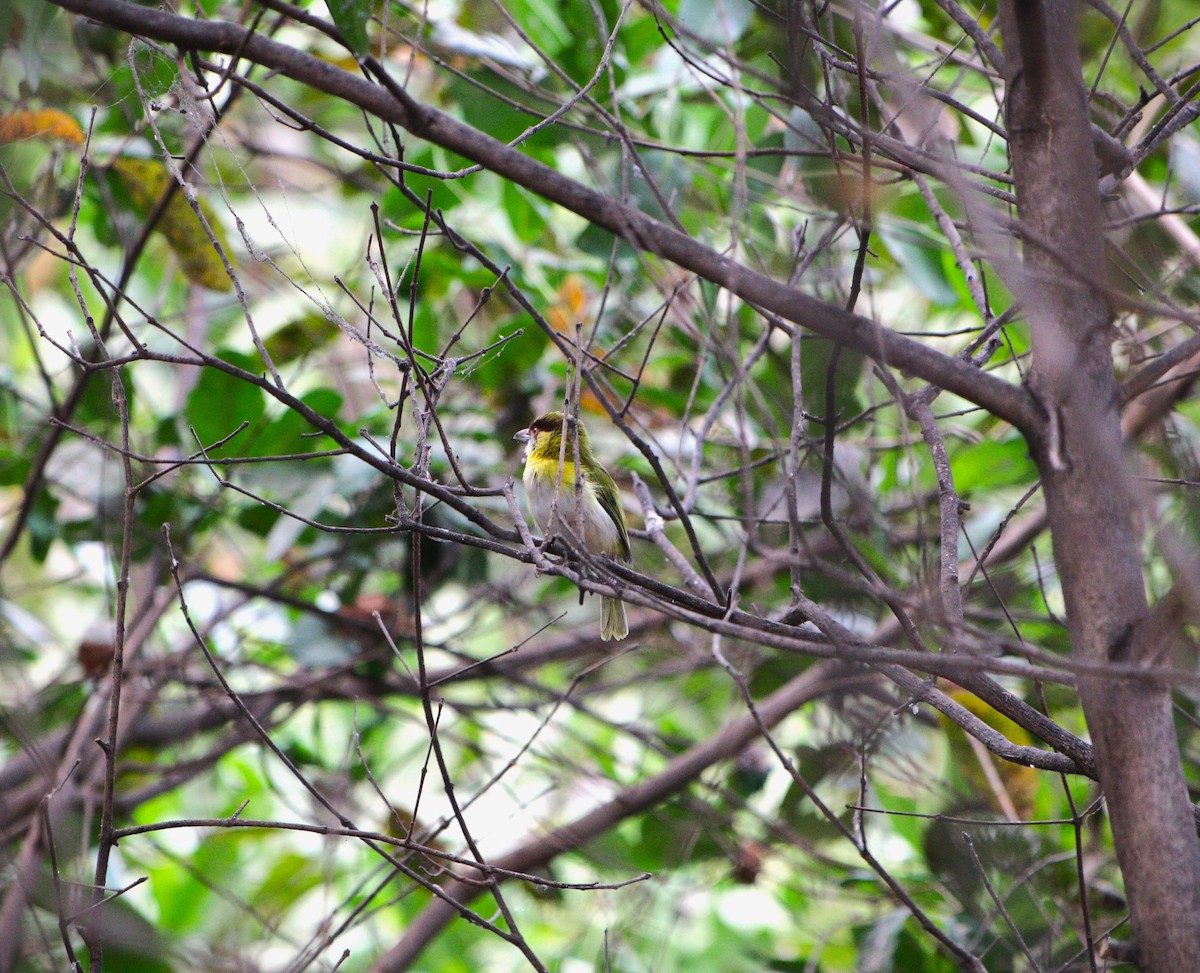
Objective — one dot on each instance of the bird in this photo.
(550, 484)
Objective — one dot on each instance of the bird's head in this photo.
(544, 436)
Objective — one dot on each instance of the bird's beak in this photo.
(523, 436)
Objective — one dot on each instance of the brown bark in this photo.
(1089, 491)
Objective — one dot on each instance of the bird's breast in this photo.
(553, 501)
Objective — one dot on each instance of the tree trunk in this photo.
(1090, 493)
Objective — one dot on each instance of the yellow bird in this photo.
(550, 478)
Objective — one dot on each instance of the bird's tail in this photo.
(614, 624)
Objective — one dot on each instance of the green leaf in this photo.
(991, 464)
(221, 402)
(545, 23)
(816, 355)
(499, 119)
(672, 834)
(919, 253)
(258, 519)
(291, 433)
(507, 369)
(131, 943)
(289, 878)
(31, 47)
(299, 337)
(43, 526)
(717, 21)
(157, 72)
(351, 17)
(14, 466)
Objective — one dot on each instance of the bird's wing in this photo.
(610, 502)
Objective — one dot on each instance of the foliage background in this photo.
(219, 396)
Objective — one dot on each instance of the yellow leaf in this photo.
(146, 180)
(570, 307)
(44, 123)
(1002, 785)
